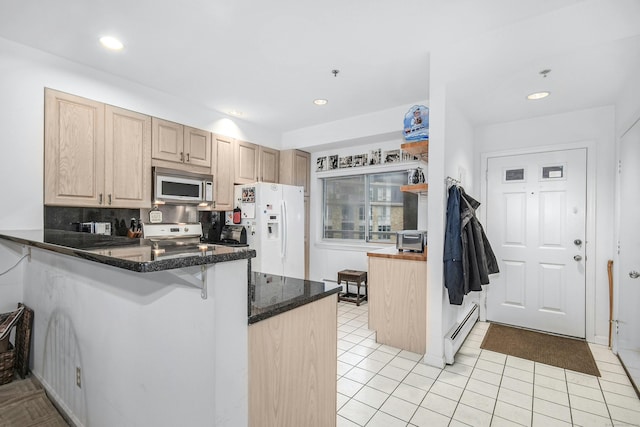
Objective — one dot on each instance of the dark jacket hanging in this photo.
(453, 274)
(468, 257)
(478, 259)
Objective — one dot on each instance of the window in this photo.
(368, 208)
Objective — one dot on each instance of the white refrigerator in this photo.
(273, 215)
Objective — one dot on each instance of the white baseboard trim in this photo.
(433, 360)
(64, 410)
(600, 340)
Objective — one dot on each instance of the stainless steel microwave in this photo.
(180, 187)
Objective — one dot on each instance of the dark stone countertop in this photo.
(139, 255)
(270, 295)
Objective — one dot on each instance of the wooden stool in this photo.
(357, 278)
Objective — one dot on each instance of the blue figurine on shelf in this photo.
(416, 123)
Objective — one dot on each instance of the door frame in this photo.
(590, 233)
(617, 272)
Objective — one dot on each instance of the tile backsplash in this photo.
(68, 218)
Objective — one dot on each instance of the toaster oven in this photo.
(411, 240)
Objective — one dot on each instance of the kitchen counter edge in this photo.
(313, 291)
(392, 252)
(126, 264)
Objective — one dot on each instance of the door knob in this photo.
(577, 257)
(634, 274)
(577, 242)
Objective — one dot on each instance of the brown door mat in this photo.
(568, 353)
(25, 404)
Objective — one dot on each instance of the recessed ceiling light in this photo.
(320, 101)
(111, 43)
(235, 113)
(538, 95)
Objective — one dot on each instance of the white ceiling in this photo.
(271, 59)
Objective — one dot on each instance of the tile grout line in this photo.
(606, 405)
(388, 394)
(357, 331)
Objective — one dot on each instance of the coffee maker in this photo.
(215, 231)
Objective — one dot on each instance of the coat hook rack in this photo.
(452, 181)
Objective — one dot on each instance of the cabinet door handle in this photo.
(109, 198)
(100, 199)
(182, 156)
(188, 158)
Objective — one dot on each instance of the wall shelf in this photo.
(418, 148)
(415, 188)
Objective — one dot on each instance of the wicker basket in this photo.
(7, 361)
(23, 341)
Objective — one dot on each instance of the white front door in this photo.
(536, 225)
(628, 307)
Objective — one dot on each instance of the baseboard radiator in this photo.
(456, 335)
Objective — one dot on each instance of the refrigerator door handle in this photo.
(283, 224)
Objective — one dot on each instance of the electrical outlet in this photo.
(78, 381)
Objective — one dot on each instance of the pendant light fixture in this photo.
(541, 94)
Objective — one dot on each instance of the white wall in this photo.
(459, 164)
(150, 349)
(451, 142)
(11, 281)
(25, 73)
(364, 129)
(627, 114)
(628, 105)
(595, 128)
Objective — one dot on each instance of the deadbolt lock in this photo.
(577, 242)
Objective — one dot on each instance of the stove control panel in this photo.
(171, 230)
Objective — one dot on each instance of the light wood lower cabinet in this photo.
(398, 302)
(293, 367)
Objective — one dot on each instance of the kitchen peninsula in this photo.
(126, 335)
(398, 298)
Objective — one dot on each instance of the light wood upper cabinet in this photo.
(184, 145)
(269, 165)
(222, 168)
(246, 157)
(96, 155)
(168, 140)
(127, 158)
(294, 168)
(197, 147)
(74, 149)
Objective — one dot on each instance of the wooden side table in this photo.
(354, 277)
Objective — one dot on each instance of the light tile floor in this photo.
(382, 386)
